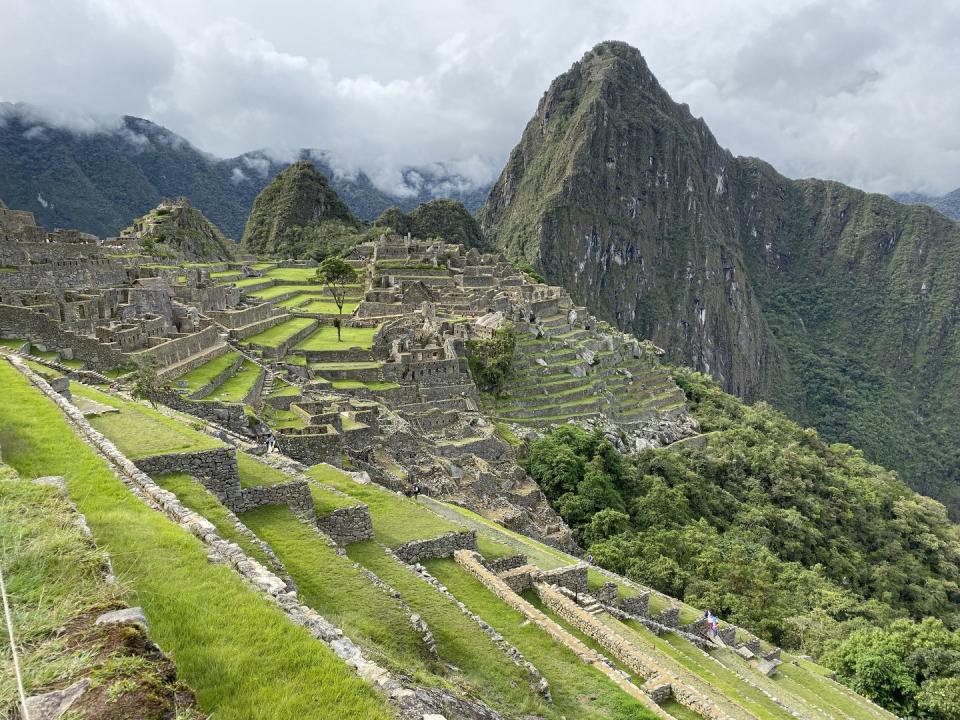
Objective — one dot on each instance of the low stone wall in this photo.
(471, 562)
(638, 605)
(295, 494)
(257, 327)
(668, 618)
(229, 415)
(178, 349)
(253, 395)
(282, 349)
(310, 449)
(573, 578)
(216, 469)
(347, 525)
(507, 563)
(235, 319)
(439, 547)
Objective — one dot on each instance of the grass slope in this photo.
(240, 654)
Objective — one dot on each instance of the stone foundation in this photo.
(347, 525)
(438, 547)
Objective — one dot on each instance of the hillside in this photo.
(785, 290)
(445, 219)
(948, 204)
(176, 229)
(297, 214)
(98, 181)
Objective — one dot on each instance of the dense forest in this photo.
(803, 542)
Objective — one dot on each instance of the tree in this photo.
(336, 273)
(145, 380)
(491, 359)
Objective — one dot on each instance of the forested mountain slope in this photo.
(838, 306)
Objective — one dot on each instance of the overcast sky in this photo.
(865, 91)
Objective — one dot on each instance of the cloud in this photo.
(857, 90)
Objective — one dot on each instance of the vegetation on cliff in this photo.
(445, 219)
(178, 230)
(297, 212)
(766, 523)
(837, 306)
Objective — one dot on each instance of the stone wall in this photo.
(20, 322)
(178, 349)
(507, 563)
(310, 449)
(295, 494)
(439, 547)
(65, 274)
(229, 415)
(347, 525)
(637, 605)
(472, 563)
(573, 577)
(234, 319)
(216, 469)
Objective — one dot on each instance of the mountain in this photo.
(297, 201)
(948, 204)
(447, 219)
(175, 229)
(838, 306)
(98, 181)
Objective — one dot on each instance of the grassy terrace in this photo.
(192, 494)
(487, 672)
(279, 334)
(398, 519)
(236, 387)
(695, 661)
(306, 296)
(245, 282)
(331, 585)
(326, 307)
(358, 365)
(198, 377)
(579, 691)
(359, 385)
(139, 431)
(238, 652)
(293, 274)
(273, 291)
(325, 338)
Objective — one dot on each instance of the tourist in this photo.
(416, 491)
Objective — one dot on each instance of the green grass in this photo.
(304, 297)
(805, 681)
(359, 365)
(293, 274)
(238, 651)
(273, 291)
(200, 376)
(279, 334)
(282, 390)
(460, 641)
(327, 307)
(247, 282)
(688, 656)
(398, 519)
(236, 387)
(358, 385)
(331, 585)
(226, 273)
(681, 712)
(139, 431)
(254, 473)
(579, 691)
(326, 501)
(11, 343)
(325, 338)
(192, 494)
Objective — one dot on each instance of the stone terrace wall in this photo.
(66, 273)
(573, 578)
(229, 415)
(173, 351)
(19, 322)
(233, 319)
(216, 469)
(471, 562)
(507, 563)
(295, 494)
(439, 547)
(347, 525)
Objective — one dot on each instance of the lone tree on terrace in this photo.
(336, 273)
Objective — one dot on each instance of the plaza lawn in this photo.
(293, 274)
(327, 307)
(279, 334)
(139, 431)
(325, 338)
(238, 651)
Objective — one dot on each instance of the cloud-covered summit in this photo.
(856, 90)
